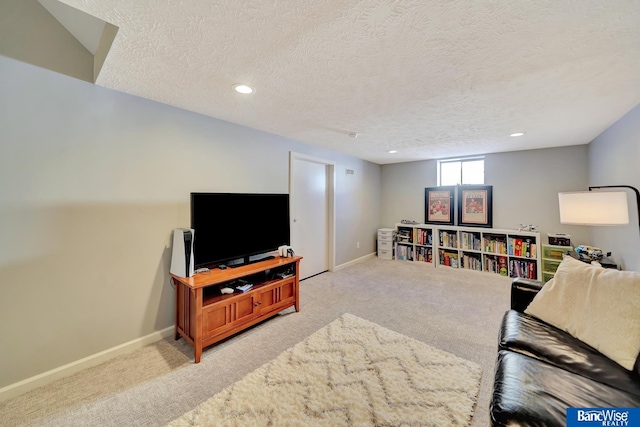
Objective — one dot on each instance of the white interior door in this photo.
(310, 214)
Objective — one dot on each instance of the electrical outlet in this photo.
(358, 245)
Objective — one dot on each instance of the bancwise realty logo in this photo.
(603, 417)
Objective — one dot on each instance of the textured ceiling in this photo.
(430, 79)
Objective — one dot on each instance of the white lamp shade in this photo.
(594, 208)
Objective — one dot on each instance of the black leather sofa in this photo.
(542, 370)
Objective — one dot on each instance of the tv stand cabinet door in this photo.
(227, 315)
(277, 297)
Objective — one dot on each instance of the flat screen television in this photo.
(233, 226)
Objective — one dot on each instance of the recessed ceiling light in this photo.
(244, 89)
(517, 134)
(392, 151)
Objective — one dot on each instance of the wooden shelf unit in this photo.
(204, 316)
(500, 251)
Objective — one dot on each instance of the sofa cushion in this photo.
(599, 306)
(529, 392)
(532, 337)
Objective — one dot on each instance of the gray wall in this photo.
(525, 187)
(403, 187)
(614, 159)
(92, 182)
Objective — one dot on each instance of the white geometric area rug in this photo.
(350, 373)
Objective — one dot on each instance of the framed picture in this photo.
(438, 205)
(475, 205)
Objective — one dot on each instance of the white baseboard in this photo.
(355, 261)
(45, 378)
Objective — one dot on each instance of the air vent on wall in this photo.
(350, 172)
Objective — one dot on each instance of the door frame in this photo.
(330, 168)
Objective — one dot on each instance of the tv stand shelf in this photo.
(204, 316)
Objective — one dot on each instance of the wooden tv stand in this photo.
(204, 316)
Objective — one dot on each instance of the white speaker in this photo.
(182, 253)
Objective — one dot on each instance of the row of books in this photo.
(404, 253)
(422, 236)
(449, 258)
(404, 235)
(493, 245)
(522, 247)
(496, 265)
(516, 246)
(520, 268)
(424, 254)
(471, 262)
(470, 240)
(449, 240)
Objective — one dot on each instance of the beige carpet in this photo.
(352, 372)
(458, 311)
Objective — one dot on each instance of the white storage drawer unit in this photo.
(385, 243)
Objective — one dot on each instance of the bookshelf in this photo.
(404, 243)
(499, 251)
(423, 243)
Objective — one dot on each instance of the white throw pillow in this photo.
(599, 306)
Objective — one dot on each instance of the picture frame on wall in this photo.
(475, 205)
(439, 205)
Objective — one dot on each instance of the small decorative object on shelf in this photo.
(408, 221)
(527, 227)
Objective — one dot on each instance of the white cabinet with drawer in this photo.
(385, 243)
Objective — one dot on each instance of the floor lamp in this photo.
(597, 207)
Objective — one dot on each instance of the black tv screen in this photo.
(229, 226)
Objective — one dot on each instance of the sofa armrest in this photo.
(523, 291)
